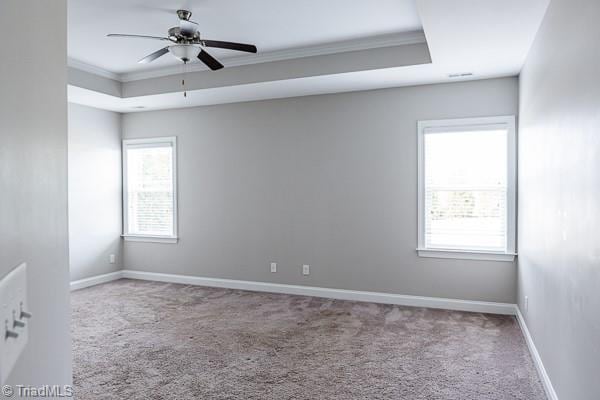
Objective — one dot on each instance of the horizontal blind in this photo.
(466, 189)
(150, 189)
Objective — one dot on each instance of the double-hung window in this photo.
(467, 197)
(150, 189)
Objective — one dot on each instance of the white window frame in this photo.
(172, 140)
(465, 124)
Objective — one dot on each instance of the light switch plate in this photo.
(13, 300)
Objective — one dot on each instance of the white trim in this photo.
(461, 125)
(511, 239)
(466, 255)
(92, 69)
(172, 140)
(96, 280)
(430, 126)
(537, 360)
(151, 140)
(341, 294)
(289, 54)
(150, 239)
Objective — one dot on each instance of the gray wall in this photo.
(33, 179)
(94, 191)
(559, 207)
(328, 181)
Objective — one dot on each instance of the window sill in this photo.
(466, 255)
(150, 239)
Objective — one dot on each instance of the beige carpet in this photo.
(146, 340)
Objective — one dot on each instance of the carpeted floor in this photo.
(148, 340)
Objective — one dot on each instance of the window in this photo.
(150, 190)
(467, 188)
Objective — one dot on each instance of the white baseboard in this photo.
(96, 280)
(537, 360)
(341, 294)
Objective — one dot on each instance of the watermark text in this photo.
(43, 391)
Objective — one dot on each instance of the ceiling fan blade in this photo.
(249, 48)
(137, 36)
(209, 60)
(151, 57)
(188, 28)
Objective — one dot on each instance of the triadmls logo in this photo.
(43, 391)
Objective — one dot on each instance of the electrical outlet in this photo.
(112, 259)
(526, 303)
(306, 269)
(273, 267)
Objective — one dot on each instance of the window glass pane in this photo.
(466, 190)
(150, 190)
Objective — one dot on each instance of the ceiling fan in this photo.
(186, 43)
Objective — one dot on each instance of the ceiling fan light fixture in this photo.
(185, 52)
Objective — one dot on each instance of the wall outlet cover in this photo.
(306, 269)
(273, 267)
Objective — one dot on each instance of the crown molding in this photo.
(288, 54)
(92, 69)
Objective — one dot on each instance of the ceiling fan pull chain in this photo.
(183, 78)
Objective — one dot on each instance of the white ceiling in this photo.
(485, 38)
(271, 25)
(481, 36)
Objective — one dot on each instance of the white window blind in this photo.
(466, 187)
(149, 191)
